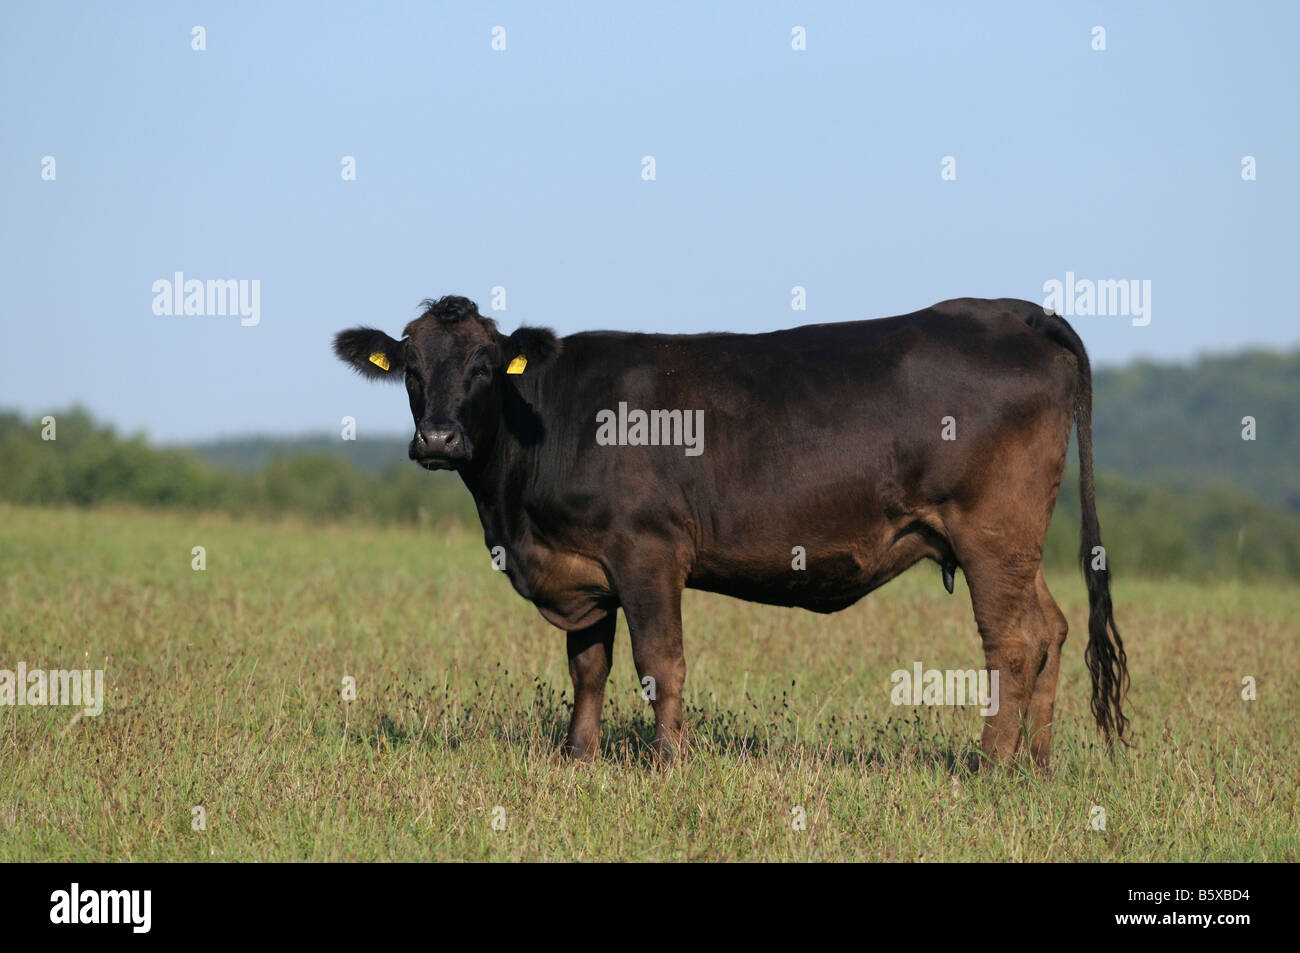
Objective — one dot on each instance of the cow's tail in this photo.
(1105, 656)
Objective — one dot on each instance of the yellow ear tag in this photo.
(380, 360)
(517, 365)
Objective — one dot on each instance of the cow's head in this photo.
(454, 363)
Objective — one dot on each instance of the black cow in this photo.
(616, 469)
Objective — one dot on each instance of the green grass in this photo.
(224, 692)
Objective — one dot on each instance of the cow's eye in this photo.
(481, 372)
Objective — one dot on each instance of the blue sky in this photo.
(522, 168)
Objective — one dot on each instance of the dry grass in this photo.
(224, 692)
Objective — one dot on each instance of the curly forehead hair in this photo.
(449, 309)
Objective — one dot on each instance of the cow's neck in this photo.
(498, 483)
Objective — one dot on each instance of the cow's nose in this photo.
(438, 442)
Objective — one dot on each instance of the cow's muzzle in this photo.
(440, 448)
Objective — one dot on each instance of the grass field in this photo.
(224, 691)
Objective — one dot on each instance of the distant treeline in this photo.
(1156, 530)
(1147, 529)
(1180, 425)
(89, 463)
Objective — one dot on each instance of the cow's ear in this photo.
(534, 345)
(371, 353)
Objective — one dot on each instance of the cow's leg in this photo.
(653, 610)
(998, 542)
(1042, 701)
(591, 653)
(1005, 600)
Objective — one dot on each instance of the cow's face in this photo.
(453, 361)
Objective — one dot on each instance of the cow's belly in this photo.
(828, 575)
